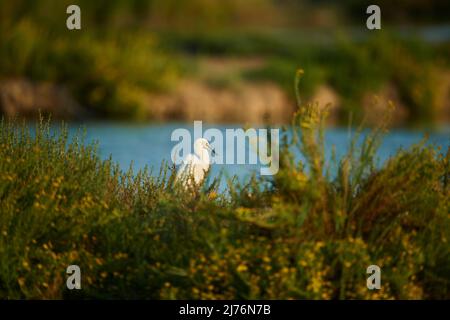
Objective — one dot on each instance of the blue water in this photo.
(150, 144)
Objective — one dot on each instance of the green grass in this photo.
(300, 234)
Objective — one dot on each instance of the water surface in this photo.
(150, 144)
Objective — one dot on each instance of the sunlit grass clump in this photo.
(302, 234)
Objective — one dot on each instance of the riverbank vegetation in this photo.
(127, 52)
(301, 234)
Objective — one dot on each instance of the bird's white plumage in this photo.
(195, 166)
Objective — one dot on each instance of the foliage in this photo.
(128, 49)
(110, 74)
(301, 234)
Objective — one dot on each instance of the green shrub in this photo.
(108, 73)
(301, 234)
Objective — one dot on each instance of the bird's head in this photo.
(202, 144)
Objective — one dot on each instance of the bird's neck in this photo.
(204, 156)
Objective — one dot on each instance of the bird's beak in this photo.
(213, 152)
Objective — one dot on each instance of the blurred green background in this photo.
(225, 61)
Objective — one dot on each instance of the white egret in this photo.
(195, 165)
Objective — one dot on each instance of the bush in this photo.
(108, 73)
(302, 234)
